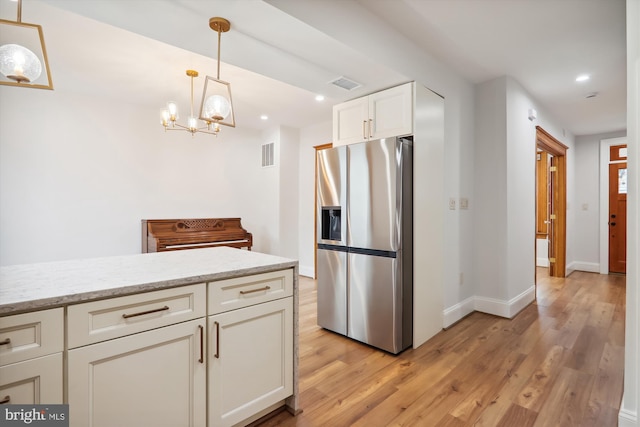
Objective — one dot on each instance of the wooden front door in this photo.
(617, 215)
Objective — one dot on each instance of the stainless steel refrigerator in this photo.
(365, 242)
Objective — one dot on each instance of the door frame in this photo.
(548, 143)
(605, 148)
(315, 205)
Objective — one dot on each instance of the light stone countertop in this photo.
(31, 287)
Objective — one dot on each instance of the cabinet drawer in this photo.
(29, 335)
(230, 294)
(35, 381)
(97, 321)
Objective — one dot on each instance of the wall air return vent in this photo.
(268, 154)
(345, 83)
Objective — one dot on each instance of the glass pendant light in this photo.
(216, 107)
(23, 57)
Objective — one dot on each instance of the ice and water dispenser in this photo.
(331, 220)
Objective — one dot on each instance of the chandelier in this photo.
(170, 116)
(23, 56)
(216, 107)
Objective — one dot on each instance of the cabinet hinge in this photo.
(552, 216)
(553, 169)
(552, 260)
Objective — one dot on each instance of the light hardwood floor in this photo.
(559, 362)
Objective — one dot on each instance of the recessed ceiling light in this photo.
(582, 78)
(319, 98)
(264, 117)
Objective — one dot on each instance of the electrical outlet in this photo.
(464, 203)
(452, 204)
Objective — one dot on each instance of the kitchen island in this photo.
(179, 336)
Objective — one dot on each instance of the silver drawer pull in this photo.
(142, 313)
(5, 341)
(6, 399)
(266, 288)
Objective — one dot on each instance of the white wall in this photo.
(78, 183)
(289, 165)
(631, 397)
(490, 212)
(504, 266)
(81, 165)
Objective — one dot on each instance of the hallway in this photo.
(559, 362)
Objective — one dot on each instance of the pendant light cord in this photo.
(219, 37)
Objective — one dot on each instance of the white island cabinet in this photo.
(31, 346)
(203, 337)
(125, 381)
(251, 343)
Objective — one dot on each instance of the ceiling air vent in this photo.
(268, 156)
(345, 83)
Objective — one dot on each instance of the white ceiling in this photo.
(280, 53)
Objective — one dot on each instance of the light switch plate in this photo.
(452, 204)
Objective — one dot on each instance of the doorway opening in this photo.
(551, 200)
(613, 202)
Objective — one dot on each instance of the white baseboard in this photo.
(591, 267)
(493, 306)
(458, 311)
(627, 418)
(503, 308)
(306, 271)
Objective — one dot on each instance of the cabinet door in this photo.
(155, 378)
(35, 381)
(250, 360)
(351, 122)
(391, 112)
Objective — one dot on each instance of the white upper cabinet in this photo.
(380, 115)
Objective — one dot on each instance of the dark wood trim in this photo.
(558, 234)
(614, 153)
(549, 144)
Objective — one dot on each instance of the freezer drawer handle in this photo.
(266, 288)
(6, 399)
(142, 313)
(6, 341)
